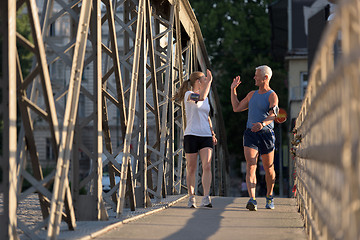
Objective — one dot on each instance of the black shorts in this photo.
(192, 144)
(263, 140)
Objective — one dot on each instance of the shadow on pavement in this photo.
(204, 222)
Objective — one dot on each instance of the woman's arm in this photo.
(205, 86)
(212, 131)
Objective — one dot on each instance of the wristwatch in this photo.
(263, 124)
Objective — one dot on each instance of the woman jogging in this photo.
(199, 137)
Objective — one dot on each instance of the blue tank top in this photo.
(258, 109)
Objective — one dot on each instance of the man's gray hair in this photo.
(265, 70)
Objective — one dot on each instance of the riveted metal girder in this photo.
(8, 218)
(97, 106)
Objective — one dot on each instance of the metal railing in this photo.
(326, 136)
(138, 53)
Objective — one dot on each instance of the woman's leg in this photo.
(206, 156)
(191, 160)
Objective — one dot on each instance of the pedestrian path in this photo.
(29, 212)
(228, 219)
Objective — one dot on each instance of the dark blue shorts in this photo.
(263, 141)
(192, 144)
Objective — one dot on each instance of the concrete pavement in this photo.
(228, 219)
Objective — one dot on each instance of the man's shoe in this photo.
(251, 205)
(206, 202)
(270, 202)
(192, 202)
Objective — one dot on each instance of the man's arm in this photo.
(236, 104)
(273, 101)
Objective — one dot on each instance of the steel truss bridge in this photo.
(326, 137)
(138, 59)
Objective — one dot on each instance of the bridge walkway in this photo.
(228, 219)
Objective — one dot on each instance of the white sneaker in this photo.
(192, 202)
(206, 202)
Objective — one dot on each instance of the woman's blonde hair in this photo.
(187, 85)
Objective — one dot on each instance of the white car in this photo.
(106, 178)
(106, 182)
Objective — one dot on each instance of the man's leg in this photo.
(251, 156)
(191, 160)
(205, 156)
(268, 163)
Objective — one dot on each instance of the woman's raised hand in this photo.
(208, 75)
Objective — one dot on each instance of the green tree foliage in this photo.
(237, 36)
(25, 55)
(23, 27)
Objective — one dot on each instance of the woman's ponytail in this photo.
(186, 86)
(180, 93)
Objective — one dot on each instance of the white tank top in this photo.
(197, 122)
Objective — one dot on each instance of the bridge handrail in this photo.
(326, 135)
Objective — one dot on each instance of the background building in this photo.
(297, 27)
(58, 37)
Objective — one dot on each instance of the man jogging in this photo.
(259, 137)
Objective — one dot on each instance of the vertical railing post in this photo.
(8, 186)
(126, 170)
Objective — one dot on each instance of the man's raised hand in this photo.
(236, 82)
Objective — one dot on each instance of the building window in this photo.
(304, 83)
(50, 154)
(81, 110)
(52, 30)
(52, 70)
